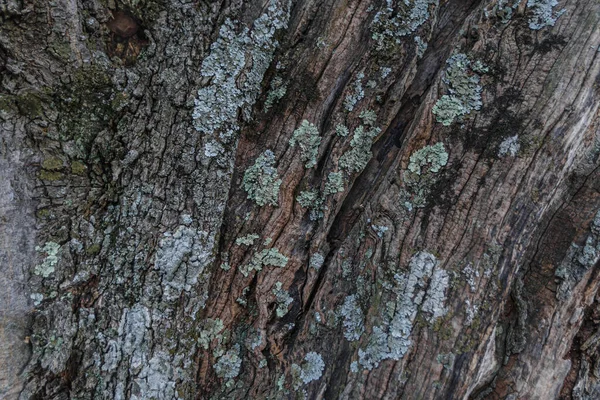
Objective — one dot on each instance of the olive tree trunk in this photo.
(299, 199)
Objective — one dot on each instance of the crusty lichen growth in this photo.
(228, 365)
(509, 146)
(47, 267)
(261, 180)
(353, 318)
(217, 105)
(421, 173)
(247, 240)
(310, 370)
(334, 184)
(422, 288)
(266, 257)
(398, 20)
(313, 201)
(543, 13)
(464, 90)
(356, 94)
(283, 300)
(433, 156)
(356, 159)
(308, 138)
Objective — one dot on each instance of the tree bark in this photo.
(281, 199)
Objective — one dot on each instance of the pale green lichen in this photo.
(283, 300)
(353, 318)
(37, 298)
(316, 261)
(509, 146)
(578, 260)
(311, 369)
(247, 240)
(211, 330)
(398, 20)
(464, 88)
(310, 199)
(48, 265)
(266, 257)
(307, 137)
(356, 159)
(334, 184)
(218, 104)
(341, 130)
(277, 91)
(433, 156)
(357, 93)
(228, 365)
(421, 46)
(368, 117)
(261, 180)
(422, 288)
(543, 13)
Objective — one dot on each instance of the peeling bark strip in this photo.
(282, 199)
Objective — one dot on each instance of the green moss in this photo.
(78, 168)
(43, 213)
(51, 176)
(93, 249)
(52, 164)
(29, 104)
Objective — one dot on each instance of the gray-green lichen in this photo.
(283, 300)
(211, 331)
(311, 369)
(266, 257)
(247, 240)
(181, 259)
(261, 181)
(341, 130)
(316, 261)
(48, 265)
(433, 156)
(356, 94)
(422, 288)
(313, 201)
(334, 184)
(399, 19)
(509, 146)
(217, 105)
(353, 318)
(356, 159)
(579, 260)
(368, 117)
(420, 175)
(308, 138)
(464, 91)
(277, 90)
(228, 365)
(543, 13)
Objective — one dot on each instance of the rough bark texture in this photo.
(281, 199)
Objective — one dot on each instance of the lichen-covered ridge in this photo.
(275, 199)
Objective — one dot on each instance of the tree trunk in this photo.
(318, 199)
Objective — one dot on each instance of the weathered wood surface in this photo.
(318, 199)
